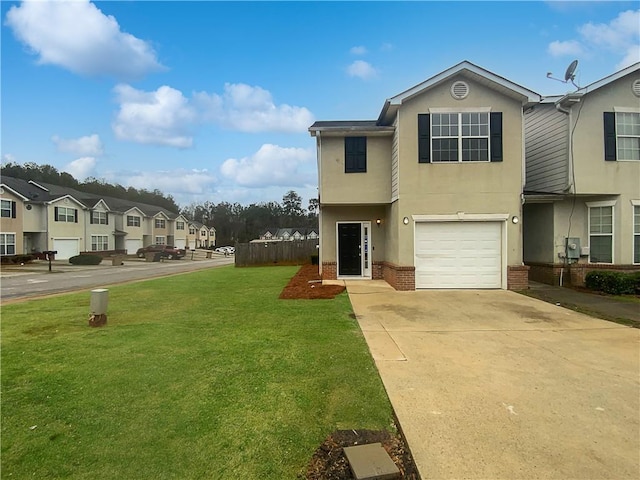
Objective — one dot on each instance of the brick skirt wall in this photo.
(574, 274)
(517, 277)
(400, 278)
(329, 270)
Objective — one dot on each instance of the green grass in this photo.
(205, 375)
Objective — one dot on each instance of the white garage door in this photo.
(66, 247)
(180, 243)
(458, 255)
(132, 246)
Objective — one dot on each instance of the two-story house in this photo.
(582, 191)
(429, 195)
(38, 217)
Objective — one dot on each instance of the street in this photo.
(32, 280)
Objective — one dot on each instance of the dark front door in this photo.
(349, 242)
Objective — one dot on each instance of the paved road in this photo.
(35, 279)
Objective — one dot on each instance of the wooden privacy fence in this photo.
(295, 252)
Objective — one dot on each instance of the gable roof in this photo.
(466, 69)
(572, 97)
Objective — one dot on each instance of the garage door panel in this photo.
(66, 248)
(132, 245)
(458, 255)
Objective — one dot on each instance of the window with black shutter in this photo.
(355, 154)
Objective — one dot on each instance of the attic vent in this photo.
(459, 90)
(636, 88)
(1, 190)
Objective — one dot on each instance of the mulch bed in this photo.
(307, 284)
(329, 461)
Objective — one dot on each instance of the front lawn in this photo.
(205, 375)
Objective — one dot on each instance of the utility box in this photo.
(98, 307)
(573, 248)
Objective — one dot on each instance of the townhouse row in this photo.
(38, 217)
(469, 180)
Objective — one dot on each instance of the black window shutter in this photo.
(107, 217)
(424, 138)
(495, 131)
(355, 154)
(55, 213)
(13, 210)
(91, 217)
(610, 136)
(75, 215)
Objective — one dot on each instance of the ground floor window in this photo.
(160, 240)
(7, 243)
(99, 242)
(601, 233)
(636, 234)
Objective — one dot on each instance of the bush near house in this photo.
(16, 259)
(85, 260)
(615, 283)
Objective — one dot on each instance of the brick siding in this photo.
(400, 278)
(574, 274)
(329, 270)
(518, 277)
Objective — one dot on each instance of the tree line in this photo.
(234, 223)
(49, 174)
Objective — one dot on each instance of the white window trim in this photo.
(160, 221)
(606, 203)
(96, 242)
(10, 206)
(162, 237)
(66, 215)
(133, 223)
(15, 242)
(96, 220)
(624, 110)
(634, 203)
(459, 110)
(460, 136)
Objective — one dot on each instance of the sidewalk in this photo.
(602, 306)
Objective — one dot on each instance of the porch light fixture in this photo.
(514, 219)
(378, 221)
(405, 220)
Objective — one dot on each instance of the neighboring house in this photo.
(582, 192)
(429, 195)
(288, 234)
(38, 217)
(180, 232)
(192, 234)
(204, 236)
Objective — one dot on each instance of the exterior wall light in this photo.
(405, 220)
(378, 221)
(514, 219)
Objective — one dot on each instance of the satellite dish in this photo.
(569, 74)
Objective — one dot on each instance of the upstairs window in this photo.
(179, 225)
(192, 231)
(133, 221)
(355, 154)
(100, 218)
(160, 223)
(8, 209)
(460, 137)
(621, 136)
(66, 214)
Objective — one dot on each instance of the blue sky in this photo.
(211, 101)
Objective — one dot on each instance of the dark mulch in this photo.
(307, 284)
(330, 463)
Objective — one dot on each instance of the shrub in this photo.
(16, 259)
(615, 283)
(315, 259)
(85, 259)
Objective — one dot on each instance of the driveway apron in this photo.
(490, 384)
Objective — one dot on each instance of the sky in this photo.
(212, 101)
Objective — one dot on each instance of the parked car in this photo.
(226, 250)
(166, 251)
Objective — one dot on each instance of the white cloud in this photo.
(619, 38)
(361, 69)
(251, 109)
(77, 36)
(162, 117)
(569, 47)
(81, 168)
(359, 50)
(178, 183)
(89, 145)
(8, 158)
(272, 165)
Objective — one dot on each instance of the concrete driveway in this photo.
(495, 385)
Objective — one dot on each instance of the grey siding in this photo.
(546, 149)
(394, 164)
(537, 232)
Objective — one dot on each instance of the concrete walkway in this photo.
(497, 385)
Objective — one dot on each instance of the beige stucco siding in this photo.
(445, 189)
(538, 232)
(593, 174)
(372, 186)
(14, 225)
(99, 229)
(58, 229)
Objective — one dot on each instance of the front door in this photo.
(350, 249)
